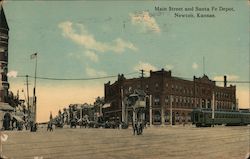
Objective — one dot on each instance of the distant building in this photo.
(80, 110)
(4, 38)
(165, 88)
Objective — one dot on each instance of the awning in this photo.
(18, 118)
(5, 107)
(106, 105)
(18, 113)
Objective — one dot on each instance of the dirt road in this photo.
(156, 143)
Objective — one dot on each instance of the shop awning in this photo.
(106, 105)
(18, 118)
(5, 107)
(20, 114)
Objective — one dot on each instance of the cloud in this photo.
(92, 56)
(76, 55)
(169, 67)
(144, 20)
(87, 40)
(12, 74)
(94, 73)
(145, 66)
(195, 66)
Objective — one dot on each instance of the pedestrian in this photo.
(140, 128)
(50, 126)
(134, 128)
(35, 127)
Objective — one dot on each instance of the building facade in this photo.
(4, 38)
(168, 93)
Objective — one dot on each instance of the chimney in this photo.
(225, 81)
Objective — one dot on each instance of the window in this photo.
(157, 101)
(203, 103)
(180, 89)
(126, 91)
(156, 86)
(167, 85)
(203, 91)
(138, 86)
(166, 100)
(130, 90)
(1, 49)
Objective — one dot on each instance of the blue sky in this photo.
(83, 39)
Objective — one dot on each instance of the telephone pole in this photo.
(28, 103)
(171, 111)
(34, 90)
(142, 76)
(142, 73)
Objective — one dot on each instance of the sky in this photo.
(86, 39)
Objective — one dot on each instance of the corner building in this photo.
(4, 38)
(164, 88)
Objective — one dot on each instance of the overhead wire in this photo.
(112, 76)
(73, 79)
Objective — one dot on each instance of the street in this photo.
(155, 143)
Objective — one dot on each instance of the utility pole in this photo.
(34, 98)
(142, 73)
(123, 106)
(213, 105)
(34, 90)
(171, 111)
(28, 103)
(150, 110)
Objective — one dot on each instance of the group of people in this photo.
(138, 128)
(10, 123)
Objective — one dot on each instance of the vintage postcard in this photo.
(106, 79)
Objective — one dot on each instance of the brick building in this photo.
(165, 88)
(4, 37)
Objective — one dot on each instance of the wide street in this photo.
(156, 143)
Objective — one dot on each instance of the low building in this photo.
(168, 92)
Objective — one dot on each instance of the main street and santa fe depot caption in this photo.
(195, 12)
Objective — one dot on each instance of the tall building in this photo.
(4, 38)
(169, 92)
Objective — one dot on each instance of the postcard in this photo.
(124, 79)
